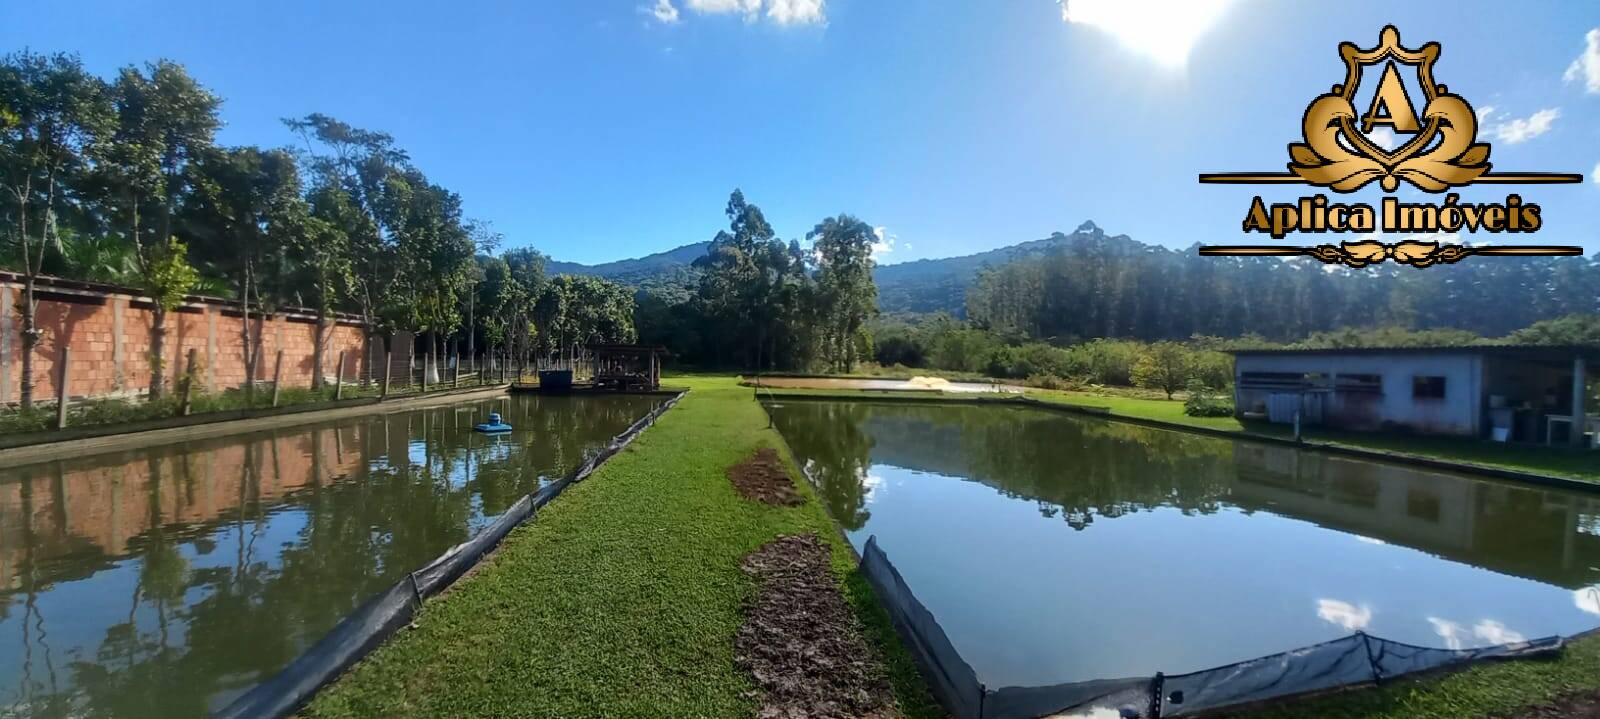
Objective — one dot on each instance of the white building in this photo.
(1519, 393)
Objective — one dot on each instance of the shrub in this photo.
(1050, 381)
(1206, 402)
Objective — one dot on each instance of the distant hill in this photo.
(638, 271)
(926, 286)
(919, 287)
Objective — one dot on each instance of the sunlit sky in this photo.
(605, 129)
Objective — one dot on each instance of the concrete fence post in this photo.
(188, 386)
(277, 378)
(388, 366)
(455, 379)
(61, 387)
(338, 378)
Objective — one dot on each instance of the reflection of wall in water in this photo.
(1528, 532)
(101, 507)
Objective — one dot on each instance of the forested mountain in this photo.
(923, 286)
(676, 262)
(1096, 286)
(940, 285)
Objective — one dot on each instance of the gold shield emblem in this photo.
(1442, 154)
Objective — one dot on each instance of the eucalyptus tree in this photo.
(846, 294)
(52, 113)
(484, 241)
(527, 267)
(165, 121)
(244, 217)
(320, 253)
(435, 253)
(366, 167)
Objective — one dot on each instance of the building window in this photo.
(1427, 387)
(1359, 383)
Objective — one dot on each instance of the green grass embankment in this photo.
(621, 598)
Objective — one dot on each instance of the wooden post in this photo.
(277, 378)
(338, 378)
(188, 386)
(61, 387)
(1580, 383)
(388, 366)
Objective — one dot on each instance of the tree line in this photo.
(763, 303)
(122, 180)
(1099, 286)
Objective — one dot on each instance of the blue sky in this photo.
(602, 129)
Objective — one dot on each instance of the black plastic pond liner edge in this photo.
(1356, 660)
(380, 617)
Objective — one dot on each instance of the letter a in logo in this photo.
(1390, 105)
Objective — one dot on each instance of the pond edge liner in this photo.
(380, 617)
(1355, 661)
(1402, 458)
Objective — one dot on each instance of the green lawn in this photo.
(622, 597)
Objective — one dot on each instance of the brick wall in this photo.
(107, 330)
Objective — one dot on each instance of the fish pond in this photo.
(166, 581)
(1057, 548)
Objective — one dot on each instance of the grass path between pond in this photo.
(621, 598)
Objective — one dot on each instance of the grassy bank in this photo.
(622, 598)
(1556, 461)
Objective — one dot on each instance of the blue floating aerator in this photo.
(495, 424)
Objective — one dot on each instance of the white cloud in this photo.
(664, 11)
(885, 243)
(1344, 614)
(1517, 129)
(1162, 29)
(1383, 136)
(1595, 176)
(1587, 66)
(1494, 632)
(1485, 632)
(797, 12)
(1587, 599)
(750, 8)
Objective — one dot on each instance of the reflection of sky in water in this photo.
(1028, 601)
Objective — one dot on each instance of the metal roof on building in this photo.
(1588, 352)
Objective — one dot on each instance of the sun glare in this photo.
(1165, 30)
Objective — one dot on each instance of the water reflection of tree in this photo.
(198, 624)
(827, 439)
(1075, 468)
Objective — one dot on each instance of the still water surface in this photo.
(1054, 548)
(164, 582)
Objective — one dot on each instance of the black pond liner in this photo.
(380, 617)
(1359, 659)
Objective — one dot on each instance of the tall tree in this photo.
(366, 166)
(165, 121)
(51, 112)
(846, 293)
(245, 216)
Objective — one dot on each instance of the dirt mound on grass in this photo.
(1577, 705)
(801, 642)
(762, 478)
